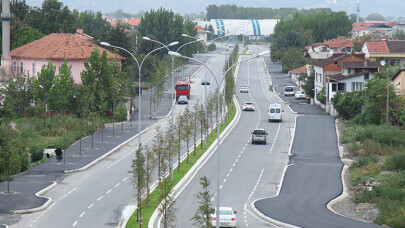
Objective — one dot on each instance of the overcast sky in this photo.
(394, 8)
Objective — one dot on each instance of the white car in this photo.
(300, 95)
(259, 135)
(244, 89)
(227, 217)
(289, 91)
(248, 106)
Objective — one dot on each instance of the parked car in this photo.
(182, 99)
(205, 81)
(300, 95)
(289, 91)
(248, 106)
(244, 89)
(227, 217)
(259, 135)
(275, 112)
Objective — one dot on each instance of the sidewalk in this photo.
(26, 187)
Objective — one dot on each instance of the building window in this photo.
(357, 86)
(366, 76)
(21, 67)
(33, 68)
(341, 87)
(334, 87)
(15, 66)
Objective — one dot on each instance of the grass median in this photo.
(177, 176)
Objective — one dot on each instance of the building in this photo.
(328, 67)
(56, 47)
(326, 49)
(201, 33)
(133, 23)
(296, 74)
(353, 77)
(375, 18)
(392, 51)
(399, 82)
(253, 29)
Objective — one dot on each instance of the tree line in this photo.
(290, 37)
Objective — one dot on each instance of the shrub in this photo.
(396, 162)
(363, 161)
(386, 135)
(352, 134)
(37, 152)
(120, 114)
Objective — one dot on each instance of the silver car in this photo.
(182, 100)
(227, 217)
(259, 135)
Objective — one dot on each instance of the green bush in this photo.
(396, 162)
(37, 152)
(352, 134)
(363, 161)
(386, 135)
(212, 47)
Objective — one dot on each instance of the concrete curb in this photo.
(208, 153)
(39, 194)
(106, 154)
(343, 173)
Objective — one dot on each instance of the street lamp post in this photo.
(139, 77)
(218, 107)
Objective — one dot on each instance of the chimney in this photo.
(6, 61)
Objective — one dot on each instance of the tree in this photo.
(61, 92)
(52, 17)
(99, 89)
(158, 149)
(348, 105)
(43, 85)
(17, 94)
(195, 123)
(138, 179)
(187, 129)
(94, 25)
(202, 216)
(309, 85)
(170, 146)
(25, 35)
(166, 207)
(321, 96)
(292, 58)
(150, 167)
(179, 132)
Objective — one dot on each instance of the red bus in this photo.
(183, 88)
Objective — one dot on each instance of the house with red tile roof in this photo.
(201, 33)
(133, 22)
(56, 47)
(296, 73)
(392, 51)
(331, 66)
(327, 48)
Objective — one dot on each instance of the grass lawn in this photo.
(177, 176)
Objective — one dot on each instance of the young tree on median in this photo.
(195, 125)
(166, 207)
(160, 155)
(149, 169)
(179, 132)
(187, 129)
(202, 216)
(138, 174)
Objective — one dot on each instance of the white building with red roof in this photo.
(56, 47)
(201, 33)
(391, 51)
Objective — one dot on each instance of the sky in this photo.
(393, 8)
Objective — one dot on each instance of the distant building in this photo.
(201, 33)
(56, 47)
(133, 22)
(399, 82)
(253, 29)
(319, 51)
(375, 18)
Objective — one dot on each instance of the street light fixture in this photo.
(218, 95)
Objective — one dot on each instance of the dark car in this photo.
(205, 81)
(182, 100)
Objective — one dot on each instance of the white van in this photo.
(275, 113)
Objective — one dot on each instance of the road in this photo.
(103, 196)
(312, 178)
(247, 171)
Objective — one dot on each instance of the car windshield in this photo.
(244, 87)
(289, 89)
(259, 132)
(182, 98)
(248, 103)
(225, 212)
(300, 92)
(182, 87)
